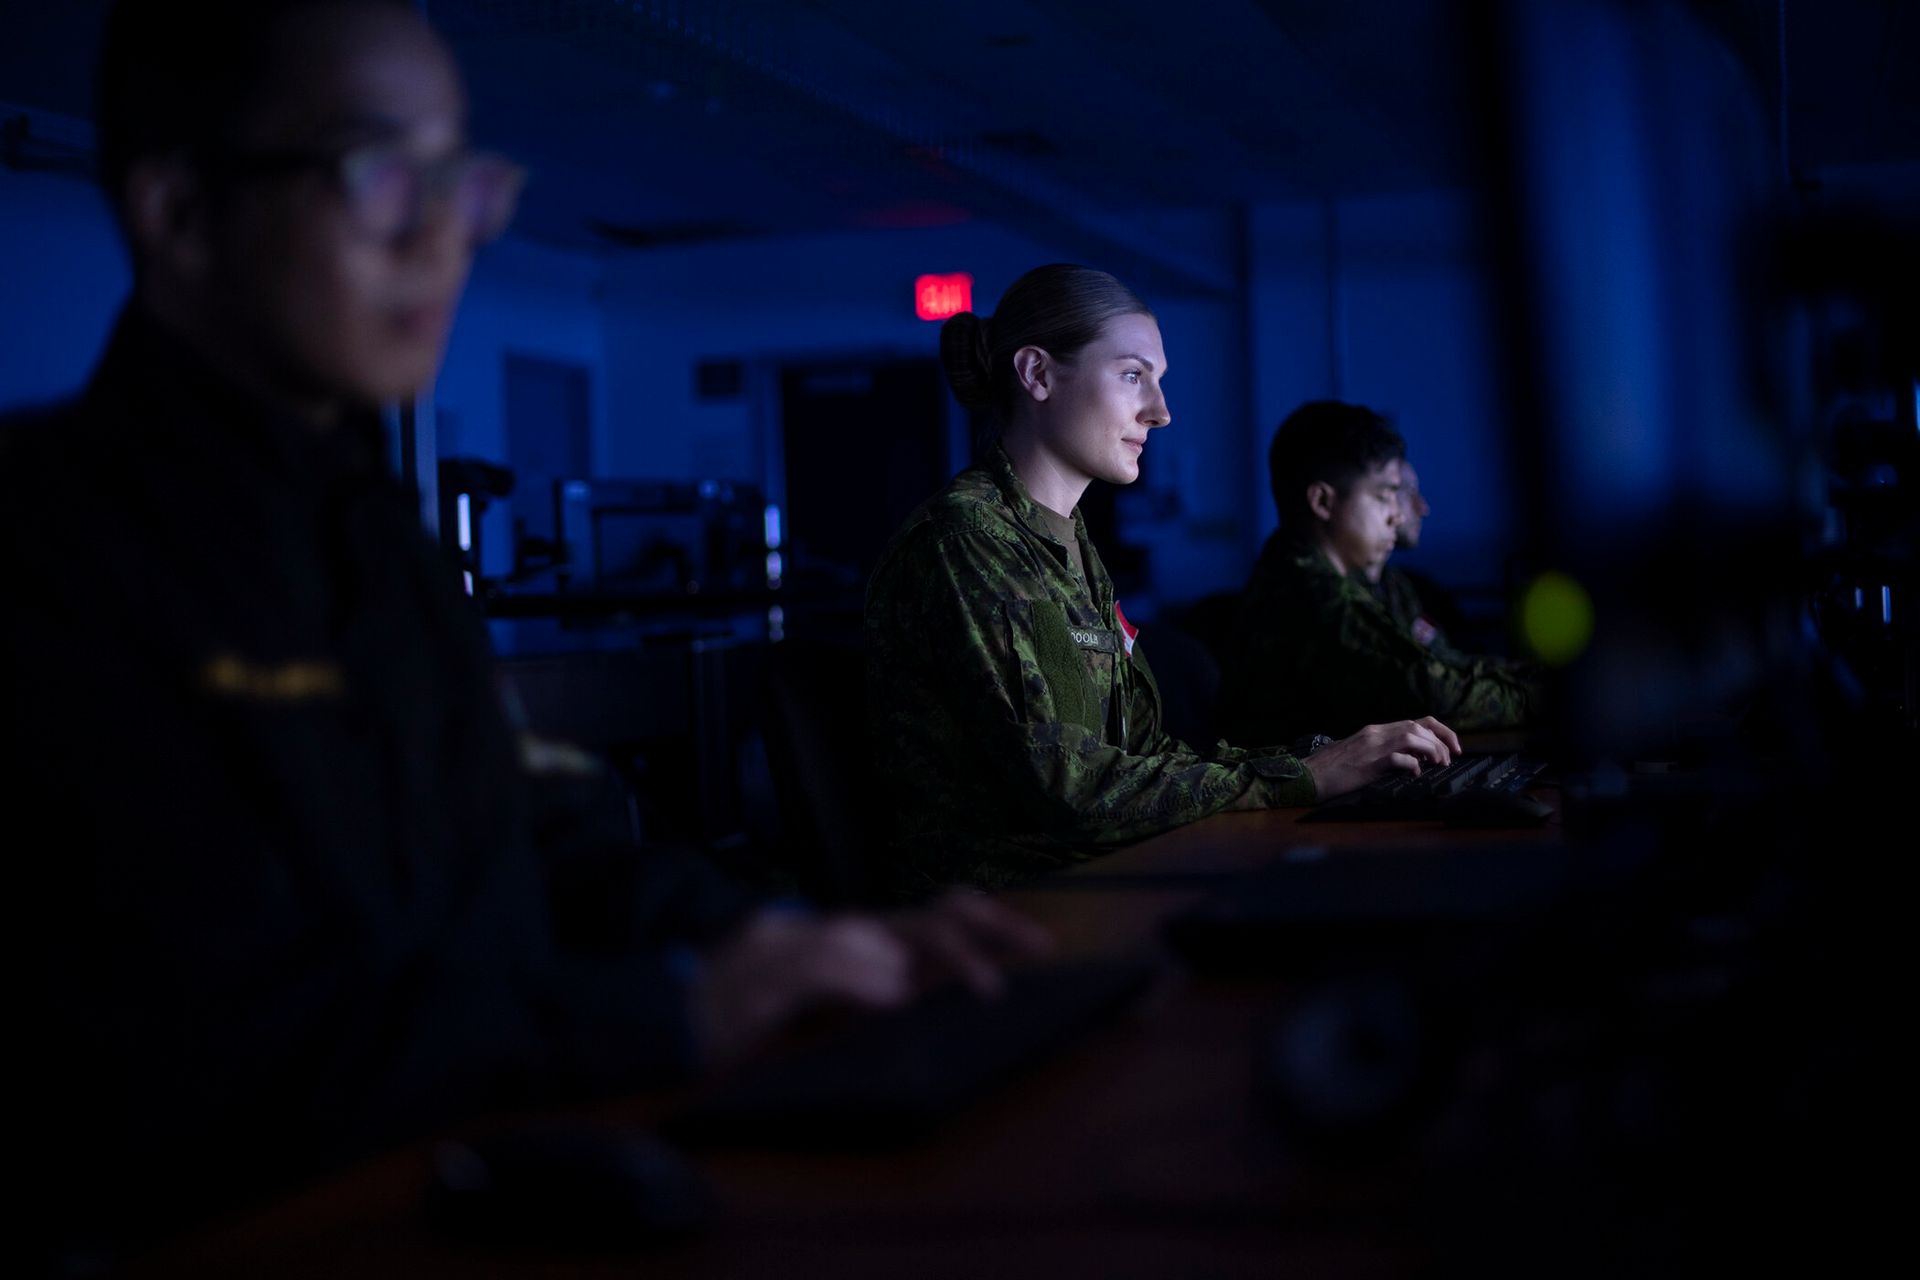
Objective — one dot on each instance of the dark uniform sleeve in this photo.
(1315, 652)
(1033, 709)
(1379, 669)
(1151, 738)
(242, 966)
(1402, 600)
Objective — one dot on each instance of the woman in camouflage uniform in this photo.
(1016, 722)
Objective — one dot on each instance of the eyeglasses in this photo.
(386, 187)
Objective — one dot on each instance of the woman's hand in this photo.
(1405, 745)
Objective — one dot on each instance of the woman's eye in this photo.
(1132, 375)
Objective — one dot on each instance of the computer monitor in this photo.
(661, 537)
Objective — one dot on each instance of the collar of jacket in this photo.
(1026, 512)
(151, 375)
(1024, 508)
(1311, 558)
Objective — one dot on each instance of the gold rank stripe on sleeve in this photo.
(231, 676)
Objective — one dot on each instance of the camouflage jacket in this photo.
(1316, 651)
(1016, 723)
(1401, 599)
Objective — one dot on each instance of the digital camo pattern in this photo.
(1014, 732)
(1396, 592)
(1316, 651)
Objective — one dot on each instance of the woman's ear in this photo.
(1320, 499)
(1034, 368)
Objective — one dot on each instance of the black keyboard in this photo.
(888, 1078)
(1313, 902)
(1431, 792)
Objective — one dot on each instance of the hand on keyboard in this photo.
(1379, 749)
(781, 964)
(966, 936)
(1470, 791)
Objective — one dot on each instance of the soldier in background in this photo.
(1416, 601)
(1319, 646)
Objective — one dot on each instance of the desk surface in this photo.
(1139, 1152)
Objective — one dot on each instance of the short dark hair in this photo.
(181, 76)
(1326, 440)
(1059, 308)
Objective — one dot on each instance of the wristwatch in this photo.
(1307, 744)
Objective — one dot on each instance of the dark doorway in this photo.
(865, 442)
(548, 434)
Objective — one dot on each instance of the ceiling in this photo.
(661, 122)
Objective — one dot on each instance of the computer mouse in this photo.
(1494, 809)
(566, 1186)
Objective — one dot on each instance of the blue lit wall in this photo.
(1385, 302)
(62, 279)
(1387, 309)
(530, 300)
(769, 301)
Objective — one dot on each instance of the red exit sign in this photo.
(937, 297)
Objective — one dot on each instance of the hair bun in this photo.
(968, 358)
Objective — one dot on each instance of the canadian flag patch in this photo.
(1127, 630)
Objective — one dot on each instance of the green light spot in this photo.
(1556, 618)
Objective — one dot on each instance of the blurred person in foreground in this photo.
(281, 904)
